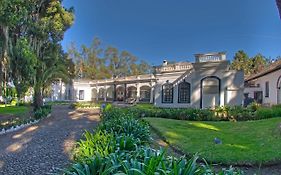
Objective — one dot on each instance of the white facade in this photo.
(265, 86)
(206, 83)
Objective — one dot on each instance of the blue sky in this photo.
(154, 30)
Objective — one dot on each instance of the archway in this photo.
(109, 93)
(94, 94)
(145, 93)
(101, 94)
(120, 93)
(132, 92)
(210, 92)
(279, 90)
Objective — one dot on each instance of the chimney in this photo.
(165, 62)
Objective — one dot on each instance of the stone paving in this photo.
(45, 146)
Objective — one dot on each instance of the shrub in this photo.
(138, 129)
(143, 161)
(103, 143)
(42, 112)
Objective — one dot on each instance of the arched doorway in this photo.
(101, 94)
(210, 92)
(279, 90)
(145, 93)
(132, 93)
(109, 94)
(120, 93)
(94, 94)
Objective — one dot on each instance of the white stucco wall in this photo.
(274, 93)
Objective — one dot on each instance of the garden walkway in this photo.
(47, 145)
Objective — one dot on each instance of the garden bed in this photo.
(120, 145)
(243, 143)
(17, 117)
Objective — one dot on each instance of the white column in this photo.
(97, 96)
(105, 93)
(138, 92)
(151, 94)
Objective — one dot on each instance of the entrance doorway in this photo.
(210, 92)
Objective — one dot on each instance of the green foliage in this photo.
(264, 113)
(117, 147)
(129, 126)
(31, 32)
(145, 161)
(250, 66)
(103, 143)
(42, 112)
(84, 105)
(94, 62)
(220, 113)
(23, 62)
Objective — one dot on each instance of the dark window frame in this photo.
(81, 94)
(171, 93)
(266, 94)
(181, 93)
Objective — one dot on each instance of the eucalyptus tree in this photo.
(34, 28)
(22, 66)
(12, 12)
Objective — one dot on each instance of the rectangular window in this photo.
(167, 93)
(267, 89)
(81, 94)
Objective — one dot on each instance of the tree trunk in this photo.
(38, 98)
(4, 31)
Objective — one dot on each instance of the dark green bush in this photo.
(144, 160)
(42, 112)
(138, 129)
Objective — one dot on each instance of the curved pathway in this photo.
(47, 145)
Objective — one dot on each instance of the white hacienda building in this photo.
(206, 83)
(265, 87)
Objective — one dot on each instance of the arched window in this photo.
(167, 93)
(184, 92)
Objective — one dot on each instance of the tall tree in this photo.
(241, 61)
(12, 12)
(259, 62)
(42, 23)
(22, 63)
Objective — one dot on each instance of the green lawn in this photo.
(13, 110)
(251, 142)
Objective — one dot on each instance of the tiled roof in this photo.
(271, 68)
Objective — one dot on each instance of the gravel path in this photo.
(40, 148)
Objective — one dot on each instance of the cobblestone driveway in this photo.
(40, 148)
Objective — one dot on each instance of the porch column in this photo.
(151, 94)
(138, 92)
(125, 92)
(97, 96)
(114, 92)
(105, 93)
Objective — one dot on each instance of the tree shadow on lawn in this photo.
(47, 145)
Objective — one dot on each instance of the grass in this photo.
(13, 110)
(243, 143)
